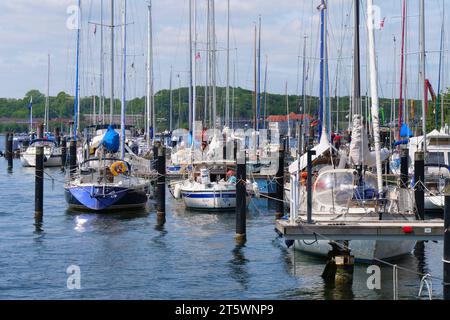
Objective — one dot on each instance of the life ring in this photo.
(118, 167)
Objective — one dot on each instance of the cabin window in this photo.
(439, 141)
(436, 158)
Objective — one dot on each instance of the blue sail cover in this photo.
(111, 140)
(405, 131)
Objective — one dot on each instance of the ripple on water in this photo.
(193, 256)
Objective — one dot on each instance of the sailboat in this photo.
(52, 150)
(350, 192)
(436, 144)
(211, 185)
(107, 181)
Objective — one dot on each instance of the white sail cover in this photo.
(359, 147)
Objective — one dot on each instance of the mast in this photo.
(171, 102)
(47, 98)
(304, 91)
(233, 104)
(255, 107)
(227, 98)
(190, 66)
(149, 106)
(258, 95)
(441, 52)
(287, 116)
(265, 93)
(207, 65)
(101, 111)
(442, 107)
(423, 75)
(321, 127)
(124, 83)
(214, 64)
(194, 76)
(402, 66)
(374, 92)
(111, 104)
(356, 64)
(77, 79)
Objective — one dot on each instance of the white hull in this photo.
(434, 202)
(209, 200)
(364, 251)
(29, 160)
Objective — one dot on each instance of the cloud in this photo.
(31, 29)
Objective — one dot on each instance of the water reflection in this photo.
(239, 267)
(108, 222)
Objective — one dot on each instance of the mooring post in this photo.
(309, 179)
(39, 184)
(419, 180)
(404, 165)
(58, 137)
(72, 157)
(446, 259)
(161, 185)
(9, 151)
(63, 153)
(279, 180)
(40, 131)
(241, 199)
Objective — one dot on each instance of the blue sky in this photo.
(31, 29)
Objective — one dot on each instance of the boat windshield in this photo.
(339, 188)
(334, 187)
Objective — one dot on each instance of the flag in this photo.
(95, 29)
(30, 105)
(197, 56)
(382, 23)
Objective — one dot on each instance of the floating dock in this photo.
(352, 230)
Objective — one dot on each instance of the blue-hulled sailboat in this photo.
(106, 182)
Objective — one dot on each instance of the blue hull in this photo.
(101, 199)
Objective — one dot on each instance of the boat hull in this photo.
(108, 199)
(209, 200)
(434, 202)
(30, 161)
(363, 250)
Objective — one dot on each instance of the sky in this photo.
(30, 30)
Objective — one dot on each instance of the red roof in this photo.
(292, 117)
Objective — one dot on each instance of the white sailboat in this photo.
(52, 151)
(351, 193)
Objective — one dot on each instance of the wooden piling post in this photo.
(309, 179)
(161, 185)
(63, 153)
(9, 151)
(404, 165)
(39, 183)
(58, 137)
(40, 131)
(241, 200)
(419, 180)
(279, 179)
(446, 259)
(72, 157)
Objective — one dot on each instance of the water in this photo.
(194, 256)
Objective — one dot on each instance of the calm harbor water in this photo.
(194, 256)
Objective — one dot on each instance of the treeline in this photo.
(62, 106)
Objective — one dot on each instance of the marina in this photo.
(204, 192)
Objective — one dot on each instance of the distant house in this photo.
(282, 121)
